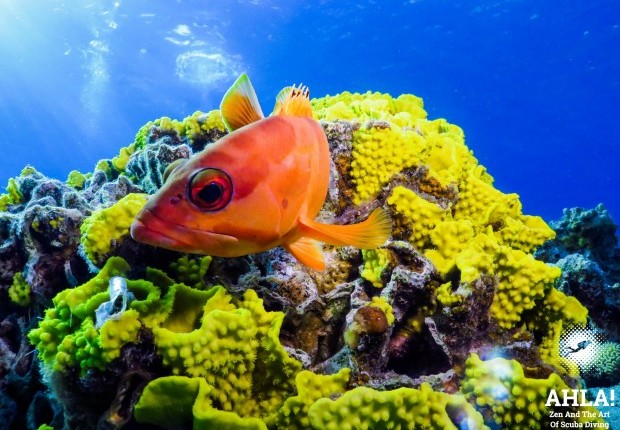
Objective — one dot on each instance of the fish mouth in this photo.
(150, 229)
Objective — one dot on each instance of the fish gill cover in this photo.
(452, 324)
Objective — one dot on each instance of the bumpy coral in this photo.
(67, 337)
(105, 227)
(191, 271)
(420, 408)
(516, 402)
(375, 262)
(390, 335)
(235, 348)
(19, 291)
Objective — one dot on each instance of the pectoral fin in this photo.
(308, 252)
(240, 105)
(368, 234)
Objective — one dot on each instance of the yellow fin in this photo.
(368, 234)
(240, 105)
(281, 98)
(308, 252)
(293, 101)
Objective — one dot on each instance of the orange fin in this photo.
(368, 234)
(308, 252)
(293, 101)
(240, 105)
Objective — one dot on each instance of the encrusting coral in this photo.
(421, 333)
(105, 227)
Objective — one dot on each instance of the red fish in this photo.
(259, 187)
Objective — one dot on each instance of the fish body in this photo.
(259, 187)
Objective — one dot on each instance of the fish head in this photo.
(219, 202)
(177, 216)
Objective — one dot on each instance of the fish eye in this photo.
(210, 189)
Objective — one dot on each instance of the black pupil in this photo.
(210, 193)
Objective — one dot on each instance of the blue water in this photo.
(534, 84)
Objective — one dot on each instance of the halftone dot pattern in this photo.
(582, 345)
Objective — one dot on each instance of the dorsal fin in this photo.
(281, 98)
(293, 101)
(240, 105)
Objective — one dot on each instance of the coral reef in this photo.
(453, 324)
(586, 250)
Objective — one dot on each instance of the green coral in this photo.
(375, 263)
(235, 348)
(13, 195)
(192, 127)
(409, 408)
(310, 387)
(191, 270)
(108, 226)
(76, 179)
(606, 365)
(120, 161)
(19, 291)
(514, 400)
(67, 337)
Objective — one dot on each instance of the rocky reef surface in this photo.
(455, 323)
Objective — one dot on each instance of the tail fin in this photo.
(368, 234)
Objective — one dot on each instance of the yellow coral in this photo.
(445, 296)
(191, 126)
(474, 230)
(516, 402)
(378, 153)
(403, 111)
(449, 239)
(224, 348)
(105, 227)
(310, 387)
(120, 161)
(424, 215)
(365, 408)
(19, 291)
(375, 262)
(381, 303)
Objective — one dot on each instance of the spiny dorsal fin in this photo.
(281, 98)
(293, 101)
(240, 105)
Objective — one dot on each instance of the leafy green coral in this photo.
(76, 179)
(108, 226)
(67, 336)
(409, 408)
(234, 347)
(12, 196)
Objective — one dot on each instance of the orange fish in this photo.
(259, 187)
